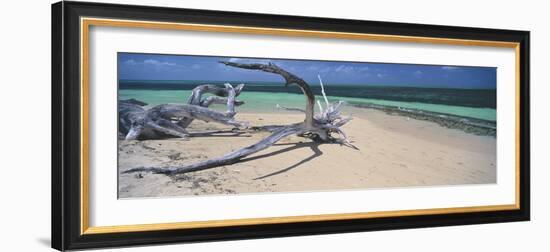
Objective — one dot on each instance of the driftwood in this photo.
(196, 98)
(170, 120)
(318, 127)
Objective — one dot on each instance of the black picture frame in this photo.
(66, 112)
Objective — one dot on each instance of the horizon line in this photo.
(316, 84)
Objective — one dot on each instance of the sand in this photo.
(393, 151)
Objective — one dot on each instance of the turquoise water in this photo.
(266, 102)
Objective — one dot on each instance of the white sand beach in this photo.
(393, 151)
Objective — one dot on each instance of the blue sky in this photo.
(136, 66)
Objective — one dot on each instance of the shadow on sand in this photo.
(314, 146)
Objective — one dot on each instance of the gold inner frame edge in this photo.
(85, 24)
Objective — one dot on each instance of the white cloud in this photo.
(158, 63)
(450, 68)
(150, 62)
(381, 75)
(319, 69)
(344, 69)
(130, 62)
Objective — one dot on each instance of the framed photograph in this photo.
(180, 125)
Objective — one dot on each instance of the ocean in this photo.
(477, 104)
